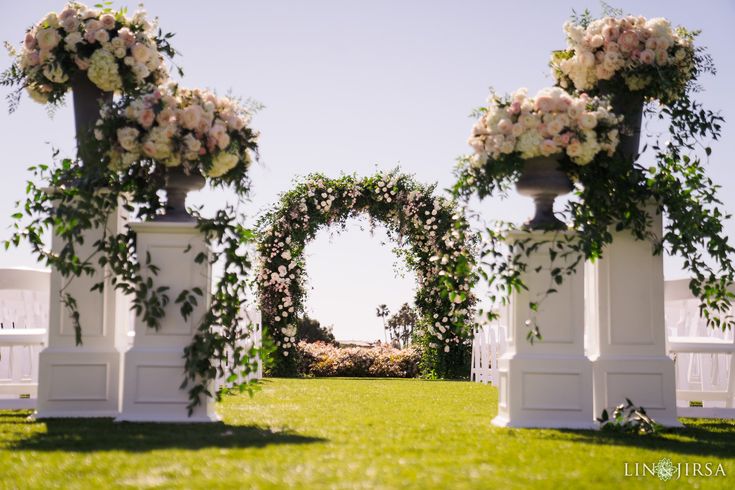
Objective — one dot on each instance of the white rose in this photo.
(588, 120)
(140, 53)
(128, 138)
(55, 74)
(48, 38)
(51, 20)
(71, 41)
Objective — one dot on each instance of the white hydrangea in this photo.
(103, 71)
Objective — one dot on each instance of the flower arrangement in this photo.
(629, 60)
(515, 128)
(321, 359)
(553, 121)
(433, 238)
(115, 52)
(648, 56)
(172, 126)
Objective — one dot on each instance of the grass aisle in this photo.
(347, 433)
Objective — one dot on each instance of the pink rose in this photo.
(33, 58)
(127, 36)
(505, 126)
(647, 56)
(548, 147)
(628, 41)
(191, 116)
(30, 41)
(610, 32)
(108, 21)
(70, 24)
(612, 47)
(92, 25)
(652, 43)
(596, 41)
(101, 36)
(67, 13)
(564, 138)
(544, 103)
(146, 118)
(515, 107)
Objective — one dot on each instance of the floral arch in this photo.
(433, 238)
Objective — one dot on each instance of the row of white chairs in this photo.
(24, 321)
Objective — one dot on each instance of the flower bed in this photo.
(322, 359)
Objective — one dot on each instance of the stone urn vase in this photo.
(177, 187)
(87, 101)
(630, 106)
(542, 180)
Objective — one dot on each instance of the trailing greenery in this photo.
(74, 202)
(629, 418)
(432, 238)
(616, 193)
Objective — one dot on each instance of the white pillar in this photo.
(154, 365)
(84, 380)
(625, 322)
(547, 383)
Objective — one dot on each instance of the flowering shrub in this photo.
(513, 129)
(383, 361)
(116, 53)
(647, 55)
(174, 126)
(434, 241)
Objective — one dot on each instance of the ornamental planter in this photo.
(87, 100)
(542, 180)
(178, 185)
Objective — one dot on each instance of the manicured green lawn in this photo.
(347, 433)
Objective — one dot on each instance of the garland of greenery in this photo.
(613, 194)
(432, 236)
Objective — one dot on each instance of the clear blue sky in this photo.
(349, 86)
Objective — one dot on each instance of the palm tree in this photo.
(382, 311)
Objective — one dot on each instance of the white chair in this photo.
(705, 357)
(24, 308)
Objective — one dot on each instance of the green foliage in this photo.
(75, 199)
(628, 418)
(310, 330)
(401, 326)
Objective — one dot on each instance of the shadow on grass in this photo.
(86, 435)
(700, 438)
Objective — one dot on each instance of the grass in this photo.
(347, 433)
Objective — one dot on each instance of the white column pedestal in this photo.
(547, 383)
(84, 380)
(154, 365)
(627, 334)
